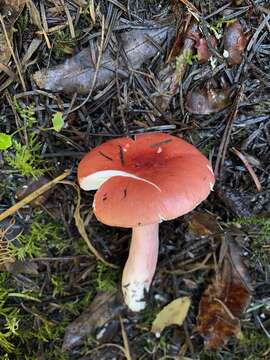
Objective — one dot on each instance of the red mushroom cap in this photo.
(143, 181)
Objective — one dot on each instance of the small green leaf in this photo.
(5, 141)
(58, 121)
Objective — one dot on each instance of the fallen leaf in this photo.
(172, 314)
(77, 73)
(202, 224)
(105, 307)
(235, 41)
(238, 2)
(5, 141)
(10, 11)
(224, 301)
(204, 54)
(58, 121)
(204, 101)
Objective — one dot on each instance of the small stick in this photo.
(192, 9)
(12, 53)
(125, 340)
(227, 133)
(69, 19)
(100, 54)
(249, 168)
(29, 198)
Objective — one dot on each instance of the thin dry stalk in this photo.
(12, 53)
(29, 198)
(249, 168)
(81, 228)
(101, 48)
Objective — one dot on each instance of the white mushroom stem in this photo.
(140, 266)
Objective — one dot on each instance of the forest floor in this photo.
(221, 105)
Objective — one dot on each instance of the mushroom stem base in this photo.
(140, 266)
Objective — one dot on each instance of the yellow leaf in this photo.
(172, 314)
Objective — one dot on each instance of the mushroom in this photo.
(139, 184)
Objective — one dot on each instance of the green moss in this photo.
(9, 320)
(27, 113)
(106, 278)
(23, 22)
(42, 235)
(22, 332)
(26, 158)
(63, 44)
(182, 60)
(149, 315)
(258, 229)
(217, 26)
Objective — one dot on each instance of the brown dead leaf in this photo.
(172, 314)
(238, 2)
(207, 100)
(235, 41)
(10, 11)
(224, 301)
(105, 307)
(78, 72)
(202, 224)
(204, 54)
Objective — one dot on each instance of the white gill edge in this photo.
(210, 169)
(95, 180)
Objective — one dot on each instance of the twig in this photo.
(29, 198)
(226, 136)
(101, 48)
(192, 9)
(12, 53)
(125, 340)
(69, 19)
(249, 168)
